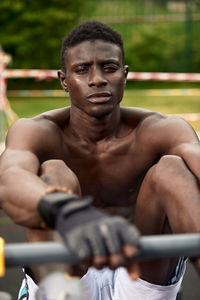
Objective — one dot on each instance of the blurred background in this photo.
(159, 36)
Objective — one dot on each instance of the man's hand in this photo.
(92, 235)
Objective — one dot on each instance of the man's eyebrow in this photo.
(111, 61)
(104, 62)
(81, 64)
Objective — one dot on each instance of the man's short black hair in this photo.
(92, 30)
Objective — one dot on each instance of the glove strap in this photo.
(50, 204)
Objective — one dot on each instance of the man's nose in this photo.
(97, 78)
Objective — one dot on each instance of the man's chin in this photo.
(101, 111)
(100, 114)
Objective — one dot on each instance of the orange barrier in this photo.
(147, 76)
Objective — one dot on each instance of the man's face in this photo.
(95, 77)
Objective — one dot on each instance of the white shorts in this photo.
(116, 285)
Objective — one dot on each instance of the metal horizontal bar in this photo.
(152, 247)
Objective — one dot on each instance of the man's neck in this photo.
(94, 129)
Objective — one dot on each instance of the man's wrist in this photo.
(50, 205)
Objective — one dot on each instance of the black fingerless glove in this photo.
(86, 230)
(54, 204)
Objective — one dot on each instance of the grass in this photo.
(31, 106)
(164, 104)
(28, 107)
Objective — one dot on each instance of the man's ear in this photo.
(62, 77)
(125, 74)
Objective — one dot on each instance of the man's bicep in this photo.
(22, 159)
(172, 133)
(24, 134)
(20, 147)
(190, 153)
(184, 142)
(174, 136)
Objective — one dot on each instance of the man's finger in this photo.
(130, 251)
(111, 238)
(95, 241)
(116, 260)
(129, 235)
(100, 261)
(79, 244)
(134, 270)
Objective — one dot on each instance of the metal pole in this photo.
(188, 40)
(152, 247)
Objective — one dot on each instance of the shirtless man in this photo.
(136, 163)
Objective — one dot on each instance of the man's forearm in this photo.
(20, 192)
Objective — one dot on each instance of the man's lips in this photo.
(99, 97)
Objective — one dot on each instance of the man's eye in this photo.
(81, 70)
(110, 68)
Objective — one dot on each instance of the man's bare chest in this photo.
(112, 174)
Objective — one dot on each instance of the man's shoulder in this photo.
(45, 121)
(151, 118)
(138, 116)
(158, 131)
(37, 132)
(156, 124)
(58, 116)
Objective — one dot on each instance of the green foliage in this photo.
(152, 50)
(146, 51)
(196, 55)
(156, 37)
(32, 30)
